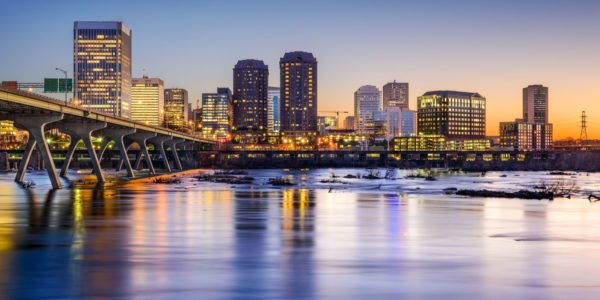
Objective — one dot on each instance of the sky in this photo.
(494, 48)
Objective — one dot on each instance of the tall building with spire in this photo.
(298, 79)
(102, 67)
(395, 94)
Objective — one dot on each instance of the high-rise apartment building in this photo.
(176, 106)
(102, 67)
(216, 113)
(535, 104)
(274, 113)
(298, 77)
(532, 132)
(454, 115)
(250, 95)
(396, 94)
(367, 101)
(147, 100)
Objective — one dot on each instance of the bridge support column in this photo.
(36, 125)
(141, 138)
(25, 160)
(159, 142)
(173, 145)
(118, 135)
(82, 131)
(128, 144)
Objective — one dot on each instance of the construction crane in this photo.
(337, 115)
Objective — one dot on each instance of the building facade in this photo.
(325, 123)
(147, 100)
(274, 109)
(176, 106)
(250, 88)
(102, 67)
(454, 115)
(535, 104)
(408, 123)
(298, 77)
(439, 143)
(216, 114)
(349, 123)
(520, 135)
(396, 94)
(367, 101)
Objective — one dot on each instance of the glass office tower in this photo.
(274, 109)
(176, 106)
(102, 67)
(147, 100)
(216, 113)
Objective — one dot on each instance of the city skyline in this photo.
(495, 65)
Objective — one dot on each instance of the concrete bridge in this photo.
(37, 114)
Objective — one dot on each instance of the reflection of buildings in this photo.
(70, 246)
(102, 67)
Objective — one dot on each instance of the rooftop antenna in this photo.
(144, 75)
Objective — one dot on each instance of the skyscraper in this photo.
(147, 100)
(298, 78)
(274, 113)
(454, 115)
(532, 132)
(102, 67)
(215, 113)
(250, 85)
(535, 104)
(367, 101)
(396, 94)
(176, 106)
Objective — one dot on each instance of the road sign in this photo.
(57, 85)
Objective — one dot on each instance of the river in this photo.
(377, 239)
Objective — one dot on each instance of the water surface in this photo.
(380, 239)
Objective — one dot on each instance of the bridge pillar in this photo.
(141, 138)
(173, 145)
(118, 135)
(159, 142)
(82, 131)
(36, 125)
(25, 160)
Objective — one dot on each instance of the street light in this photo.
(65, 73)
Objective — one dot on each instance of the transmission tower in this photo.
(583, 135)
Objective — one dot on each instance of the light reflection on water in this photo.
(214, 241)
